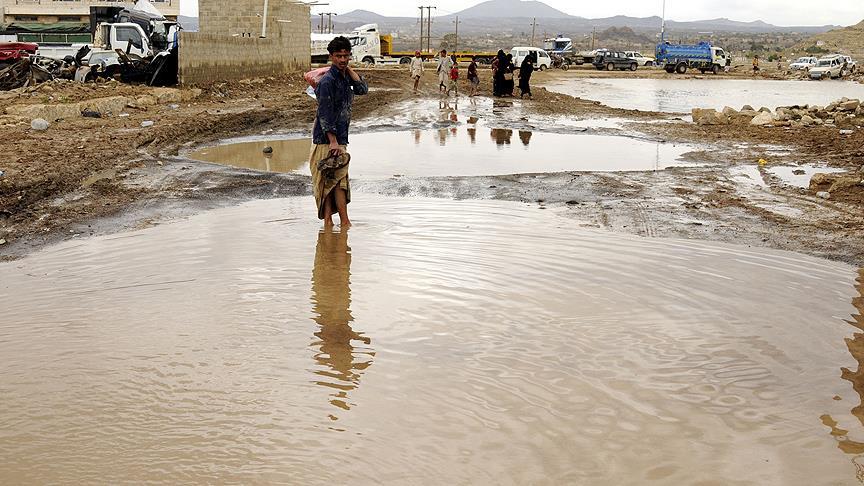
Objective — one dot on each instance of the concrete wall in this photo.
(228, 45)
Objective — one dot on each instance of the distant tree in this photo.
(448, 42)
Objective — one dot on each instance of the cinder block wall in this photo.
(229, 47)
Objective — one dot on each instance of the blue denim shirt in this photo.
(335, 94)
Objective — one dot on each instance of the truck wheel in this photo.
(715, 69)
(565, 67)
(405, 60)
(610, 67)
(681, 68)
(649, 64)
(633, 67)
(542, 67)
(368, 60)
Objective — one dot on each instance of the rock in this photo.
(146, 124)
(747, 108)
(850, 105)
(847, 132)
(708, 117)
(806, 121)
(818, 121)
(799, 172)
(143, 101)
(831, 107)
(173, 106)
(268, 150)
(102, 175)
(39, 124)
(729, 112)
(2, 242)
(763, 118)
(844, 182)
(765, 109)
(860, 110)
(167, 95)
(823, 195)
(191, 94)
(91, 114)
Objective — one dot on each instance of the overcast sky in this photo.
(777, 12)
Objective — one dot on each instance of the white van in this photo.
(544, 62)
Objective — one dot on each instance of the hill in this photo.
(495, 9)
(848, 40)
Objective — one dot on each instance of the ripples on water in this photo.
(675, 95)
(434, 342)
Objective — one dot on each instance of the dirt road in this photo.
(87, 176)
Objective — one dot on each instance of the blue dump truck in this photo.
(678, 58)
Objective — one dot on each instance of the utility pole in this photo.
(421, 31)
(663, 25)
(593, 37)
(429, 27)
(456, 44)
(321, 24)
(533, 30)
(330, 22)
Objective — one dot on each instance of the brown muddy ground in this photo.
(99, 175)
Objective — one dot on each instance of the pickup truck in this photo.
(612, 60)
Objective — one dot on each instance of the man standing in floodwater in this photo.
(417, 70)
(335, 94)
(445, 64)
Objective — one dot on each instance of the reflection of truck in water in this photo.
(678, 58)
(372, 47)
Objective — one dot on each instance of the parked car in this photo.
(612, 60)
(544, 62)
(829, 67)
(640, 59)
(803, 64)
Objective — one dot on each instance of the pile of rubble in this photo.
(23, 73)
(844, 114)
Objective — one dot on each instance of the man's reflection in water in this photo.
(340, 363)
(525, 137)
(856, 378)
(472, 134)
(501, 136)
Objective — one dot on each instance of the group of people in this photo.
(503, 70)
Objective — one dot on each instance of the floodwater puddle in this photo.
(800, 175)
(673, 95)
(470, 342)
(460, 150)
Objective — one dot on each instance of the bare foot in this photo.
(328, 223)
(345, 224)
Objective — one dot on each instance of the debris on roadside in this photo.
(844, 114)
(39, 125)
(147, 123)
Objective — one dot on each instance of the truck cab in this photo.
(128, 38)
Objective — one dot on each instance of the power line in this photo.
(456, 43)
(533, 30)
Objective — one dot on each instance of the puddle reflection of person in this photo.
(417, 134)
(501, 136)
(472, 135)
(340, 363)
(525, 137)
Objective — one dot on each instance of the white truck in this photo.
(366, 46)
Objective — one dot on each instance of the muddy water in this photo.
(681, 95)
(436, 342)
(461, 150)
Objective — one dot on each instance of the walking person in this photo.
(453, 84)
(328, 161)
(509, 83)
(525, 72)
(417, 70)
(473, 77)
(755, 65)
(444, 65)
(498, 73)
